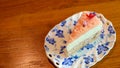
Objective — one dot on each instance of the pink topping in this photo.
(84, 24)
(91, 15)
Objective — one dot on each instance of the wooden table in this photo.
(25, 23)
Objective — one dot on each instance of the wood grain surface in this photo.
(25, 23)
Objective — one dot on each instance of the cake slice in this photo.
(88, 28)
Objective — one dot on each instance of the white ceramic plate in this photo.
(56, 39)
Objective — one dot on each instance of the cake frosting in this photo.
(88, 25)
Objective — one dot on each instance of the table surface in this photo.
(25, 23)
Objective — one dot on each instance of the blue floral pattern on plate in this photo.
(88, 59)
(63, 23)
(111, 30)
(102, 34)
(51, 40)
(62, 49)
(88, 55)
(69, 61)
(88, 46)
(101, 48)
(59, 33)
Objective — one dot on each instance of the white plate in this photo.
(56, 39)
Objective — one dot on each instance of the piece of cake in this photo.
(88, 28)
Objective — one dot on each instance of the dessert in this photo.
(88, 27)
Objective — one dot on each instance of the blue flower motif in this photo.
(46, 48)
(101, 48)
(102, 35)
(75, 22)
(88, 59)
(62, 49)
(63, 23)
(76, 57)
(61, 52)
(88, 46)
(111, 30)
(58, 56)
(55, 29)
(107, 43)
(67, 61)
(59, 33)
(50, 40)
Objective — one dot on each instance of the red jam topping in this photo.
(91, 15)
